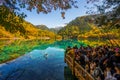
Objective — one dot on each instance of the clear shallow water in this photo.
(42, 61)
(36, 66)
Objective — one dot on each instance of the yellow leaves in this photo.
(31, 37)
(14, 27)
(94, 43)
(15, 55)
(4, 33)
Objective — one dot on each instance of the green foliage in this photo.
(85, 28)
(109, 11)
(42, 27)
(17, 48)
(45, 6)
(56, 29)
(10, 21)
(74, 28)
(65, 43)
(12, 26)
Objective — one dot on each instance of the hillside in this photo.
(85, 27)
(12, 26)
(42, 27)
(78, 26)
(56, 29)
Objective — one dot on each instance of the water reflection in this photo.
(42, 60)
(68, 74)
(34, 66)
(17, 48)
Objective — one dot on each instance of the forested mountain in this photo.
(42, 27)
(85, 27)
(56, 29)
(78, 26)
(12, 26)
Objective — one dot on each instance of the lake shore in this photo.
(11, 49)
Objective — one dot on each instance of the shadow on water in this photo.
(68, 74)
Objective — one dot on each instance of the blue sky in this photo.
(54, 18)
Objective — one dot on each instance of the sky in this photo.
(54, 19)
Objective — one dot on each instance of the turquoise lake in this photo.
(41, 62)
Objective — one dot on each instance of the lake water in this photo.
(41, 62)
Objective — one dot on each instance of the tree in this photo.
(109, 14)
(45, 6)
(108, 10)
